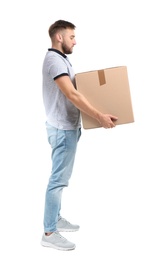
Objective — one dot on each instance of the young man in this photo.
(63, 104)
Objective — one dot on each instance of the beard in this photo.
(66, 49)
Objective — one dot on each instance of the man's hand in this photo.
(107, 120)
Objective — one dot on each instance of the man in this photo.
(63, 104)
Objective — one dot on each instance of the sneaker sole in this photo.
(67, 230)
(46, 244)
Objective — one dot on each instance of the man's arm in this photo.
(66, 86)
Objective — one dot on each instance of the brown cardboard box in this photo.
(107, 90)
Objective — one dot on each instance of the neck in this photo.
(57, 47)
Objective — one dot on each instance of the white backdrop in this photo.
(110, 190)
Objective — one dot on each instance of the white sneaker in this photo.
(55, 240)
(63, 225)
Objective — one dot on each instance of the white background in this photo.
(110, 191)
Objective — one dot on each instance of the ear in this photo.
(59, 37)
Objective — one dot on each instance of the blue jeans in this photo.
(64, 145)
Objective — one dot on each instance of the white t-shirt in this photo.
(60, 112)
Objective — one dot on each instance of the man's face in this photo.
(69, 41)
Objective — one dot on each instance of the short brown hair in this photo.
(59, 25)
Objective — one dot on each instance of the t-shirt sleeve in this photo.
(57, 67)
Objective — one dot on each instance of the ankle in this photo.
(48, 233)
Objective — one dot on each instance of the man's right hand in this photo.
(107, 120)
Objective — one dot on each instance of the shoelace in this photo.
(59, 235)
(64, 220)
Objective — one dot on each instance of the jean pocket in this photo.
(52, 140)
(52, 135)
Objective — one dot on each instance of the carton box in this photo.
(107, 90)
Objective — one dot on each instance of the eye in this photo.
(72, 37)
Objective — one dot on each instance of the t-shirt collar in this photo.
(59, 52)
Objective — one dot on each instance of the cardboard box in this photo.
(107, 90)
